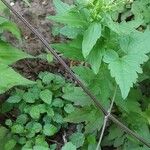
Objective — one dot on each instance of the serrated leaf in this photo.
(46, 96)
(72, 19)
(35, 112)
(126, 69)
(61, 7)
(70, 32)
(14, 99)
(69, 146)
(91, 35)
(10, 54)
(77, 139)
(110, 56)
(49, 129)
(29, 97)
(69, 108)
(17, 128)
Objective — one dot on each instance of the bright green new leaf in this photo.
(126, 69)
(10, 54)
(72, 19)
(69, 108)
(10, 78)
(46, 96)
(40, 147)
(91, 35)
(61, 7)
(2, 6)
(69, 146)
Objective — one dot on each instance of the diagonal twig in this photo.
(106, 119)
(85, 89)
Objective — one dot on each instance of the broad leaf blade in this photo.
(72, 19)
(10, 54)
(91, 35)
(126, 69)
(10, 78)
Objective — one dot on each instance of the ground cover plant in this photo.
(108, 45)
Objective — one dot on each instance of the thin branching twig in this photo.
(106, 119)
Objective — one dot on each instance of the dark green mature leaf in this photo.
(9, 78)
(10, 54)
(91, 35)
(73, 19)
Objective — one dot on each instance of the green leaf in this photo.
(91, 35)
(69, 108)
(58, 103)
(72, 19)
(2, 7)
(126, 69)
(39, 147)
(71, 50)
(29, 97)
(9, 78)
(10, 145)
(110, 56)
(46, 96)
(14, 99)
(11, 27)
(69, 146)
(17, 128)
(49, 129)
(77, 96)
(35, 112)
(61, 7)
(77, 139)
(95, 58)
(10, 54)
(22, 119)
(70, 32)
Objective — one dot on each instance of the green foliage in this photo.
(41, 112)
(69, 146)
(105, 41)
(8, 56)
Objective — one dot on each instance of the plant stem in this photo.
(106, 119)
